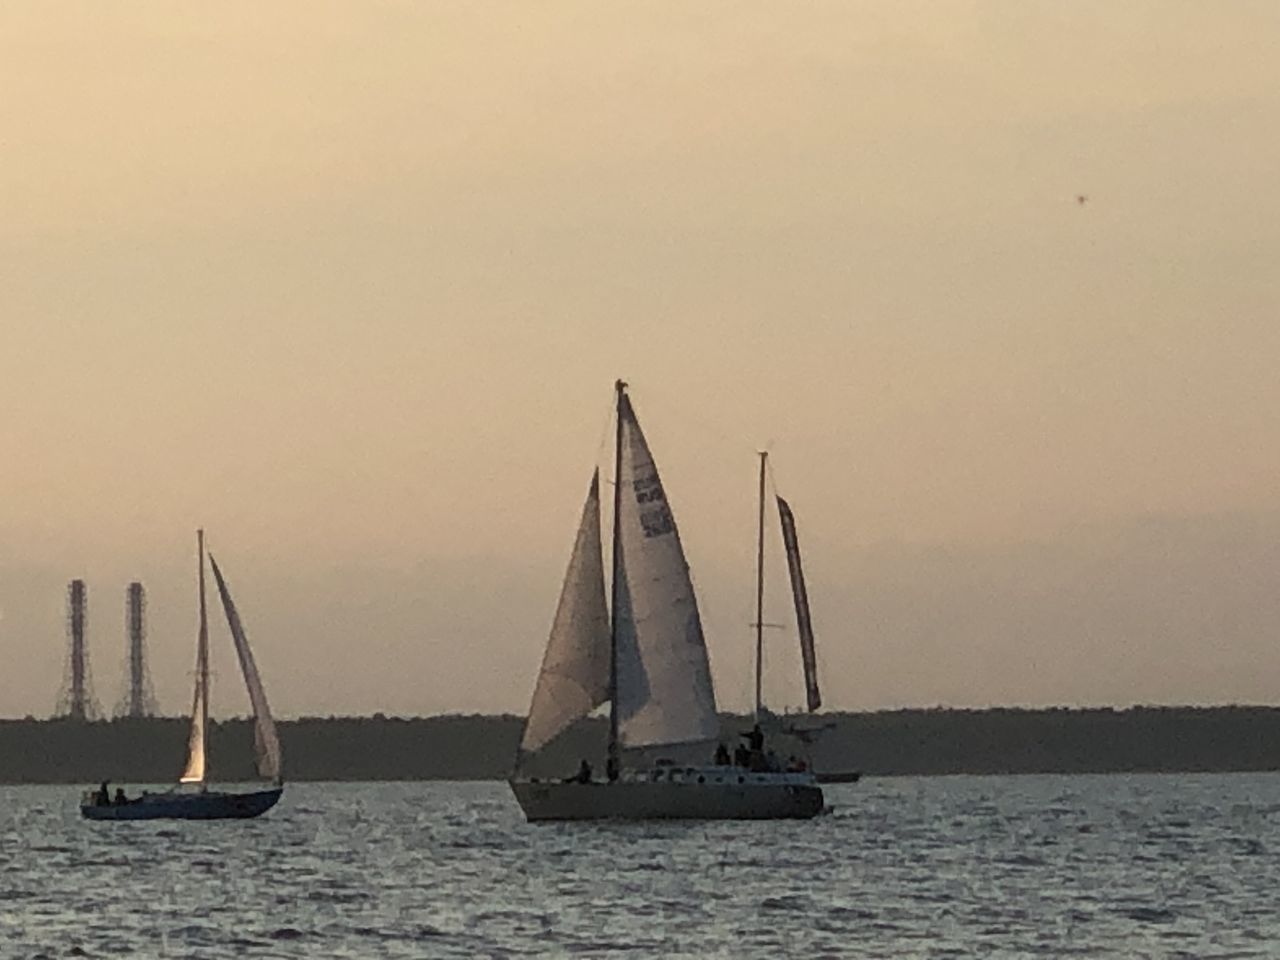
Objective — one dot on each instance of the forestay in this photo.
(574, 679)
(665, 695)
(266, 742)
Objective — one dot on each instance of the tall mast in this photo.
(202, 648)
(613, 762)
(764, 456)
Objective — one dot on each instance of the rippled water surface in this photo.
(1155, 866)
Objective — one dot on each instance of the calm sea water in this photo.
(1151, 866)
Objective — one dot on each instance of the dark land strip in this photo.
(458, 747)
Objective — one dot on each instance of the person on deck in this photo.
(584, 773)
(103, 797)
(722, 756)
(121, 799)
(741, 756)
(755, 748)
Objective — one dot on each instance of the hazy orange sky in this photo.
(348, 284)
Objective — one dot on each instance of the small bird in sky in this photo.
(1082, 199)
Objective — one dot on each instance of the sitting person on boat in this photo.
(741, 756)
(103, 797)
(584, 773)
(796, 764)
(121, 799)
(722, 756)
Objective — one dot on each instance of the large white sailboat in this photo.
(645, 655)
(191, 799)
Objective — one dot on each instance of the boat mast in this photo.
(202, 650)
(764, 456)
(613, 761)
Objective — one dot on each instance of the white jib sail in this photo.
(266, 742)
(574, 679)
(194, 771)
(665, 695)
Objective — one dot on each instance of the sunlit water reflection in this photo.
(1159, 866)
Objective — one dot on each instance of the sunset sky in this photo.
(348, 284)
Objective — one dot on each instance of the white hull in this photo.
(723, 793)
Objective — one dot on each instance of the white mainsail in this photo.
(665, 695)
(574, 679)
(266, 741)
(194, 772)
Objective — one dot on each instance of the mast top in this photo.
(620, 386)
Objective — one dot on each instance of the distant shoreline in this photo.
(915, 742)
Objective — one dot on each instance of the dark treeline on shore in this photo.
(885, 743)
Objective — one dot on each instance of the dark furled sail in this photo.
(803, 623)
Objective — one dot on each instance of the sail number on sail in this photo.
(655, 520)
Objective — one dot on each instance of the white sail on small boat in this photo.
(199, 802)
(646, 656)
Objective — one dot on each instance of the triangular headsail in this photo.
(574, 679)
(194, 772)
(266, 741)
(804, 624)
(665, 694)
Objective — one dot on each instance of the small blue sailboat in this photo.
(191, 799)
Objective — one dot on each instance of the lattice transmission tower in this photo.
(76, 700)
(139, 699)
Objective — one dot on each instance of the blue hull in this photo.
(210, 805)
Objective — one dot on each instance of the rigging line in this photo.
(605, 442)
(605, 463)
(686, 416)
(773, 480)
